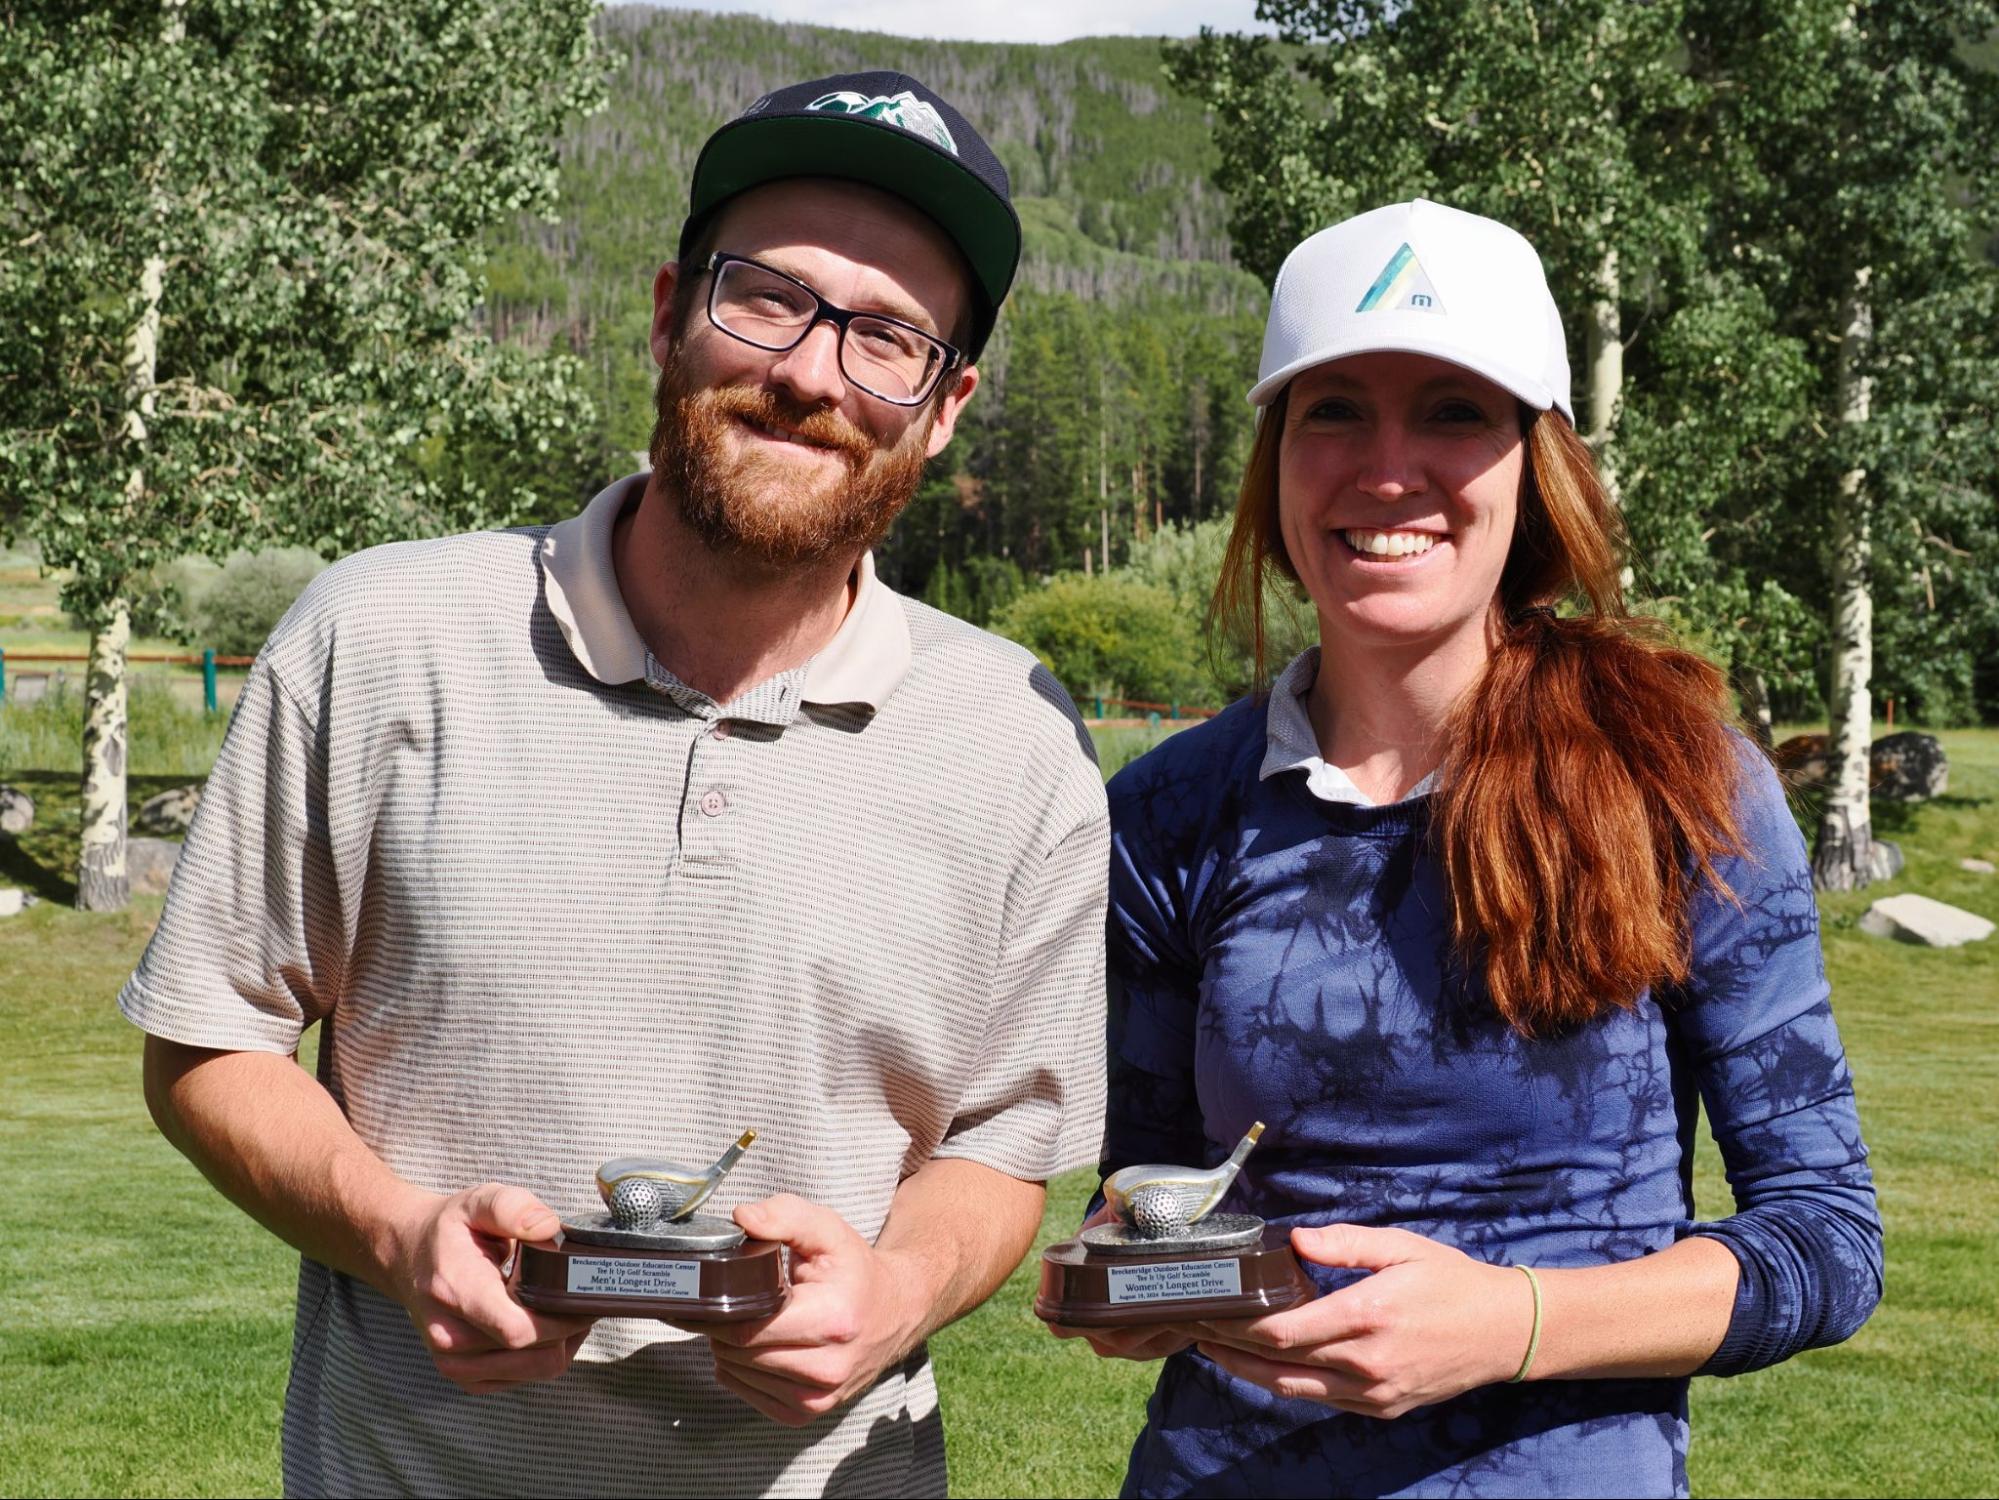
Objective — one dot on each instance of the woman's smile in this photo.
(1398, 549)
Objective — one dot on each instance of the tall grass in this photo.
(165, 736)
(1119, 747)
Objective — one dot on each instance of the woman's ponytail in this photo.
(1591, 779)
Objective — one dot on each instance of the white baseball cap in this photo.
(1419, 278)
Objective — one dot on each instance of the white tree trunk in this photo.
(1844, 853)
(1605, 353)
(101, 883)
(1604, 350)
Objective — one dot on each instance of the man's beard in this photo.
(759, 507)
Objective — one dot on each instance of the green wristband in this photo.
(1533, 1339)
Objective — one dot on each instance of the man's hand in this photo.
(848, 1320)
(444, 1268)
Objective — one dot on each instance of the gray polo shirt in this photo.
(550, 906)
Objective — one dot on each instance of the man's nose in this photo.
(810, 370)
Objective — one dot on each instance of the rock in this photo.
(149, 864)
(13, 902)
(17, 810)
(1907, 767)
(1884, 861)
(168, 813)
(1918, 919)
(1977, 866)
(1803, 760)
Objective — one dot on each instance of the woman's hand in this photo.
(1142, 1343)
(1428, 1324)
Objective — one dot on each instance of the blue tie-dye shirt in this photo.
(1280, 958)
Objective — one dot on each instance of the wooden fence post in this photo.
(208, 679)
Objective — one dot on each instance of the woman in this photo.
(1475, 910)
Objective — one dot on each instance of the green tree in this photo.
(240, 283)
(1862, 136)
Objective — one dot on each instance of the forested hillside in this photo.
(1114, 387)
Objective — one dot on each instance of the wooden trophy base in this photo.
(566, 1276)
(1085, 1288)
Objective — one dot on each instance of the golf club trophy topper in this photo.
(1167, 1257)
(651, 1255)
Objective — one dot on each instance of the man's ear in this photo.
(664, 333)
(958, 392)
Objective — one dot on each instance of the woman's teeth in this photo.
(1390, 543)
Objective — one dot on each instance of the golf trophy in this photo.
(650, 1255)
(1167, 1257)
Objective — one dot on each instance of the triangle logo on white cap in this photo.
(1402, 286)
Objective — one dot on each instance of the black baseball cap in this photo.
(889, 131)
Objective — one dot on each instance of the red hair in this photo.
(1589, 776)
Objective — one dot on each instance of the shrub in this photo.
(1185, 560)
(235, 609)
(1109, 637)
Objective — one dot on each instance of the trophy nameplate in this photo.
(650, 1255)
(1167, 1257)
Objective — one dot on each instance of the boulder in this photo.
(169, 813)
(149, 864)
(1802, 760)
(1904, 767)
(17, 810)
(1884, 860)
(1907, 767)
(1918, 919)
(13, 902)
(1977, 866)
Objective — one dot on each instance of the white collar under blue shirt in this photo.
(1290, 744)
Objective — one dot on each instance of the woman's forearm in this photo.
(1660, 1315)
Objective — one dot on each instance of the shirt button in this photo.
(713, 803)
(721, 730)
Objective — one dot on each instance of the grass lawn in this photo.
(144, 1324)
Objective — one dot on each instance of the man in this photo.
(623, 835)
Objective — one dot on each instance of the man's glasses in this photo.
(888, 359)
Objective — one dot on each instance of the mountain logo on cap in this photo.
(904, 110)
(1402, 286)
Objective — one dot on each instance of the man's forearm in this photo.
(273, 1141)
(955, 1232)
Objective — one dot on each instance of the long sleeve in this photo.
(1756, 1024)
(1154, 994)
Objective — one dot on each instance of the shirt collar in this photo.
(1289, 743)
(864, 662)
